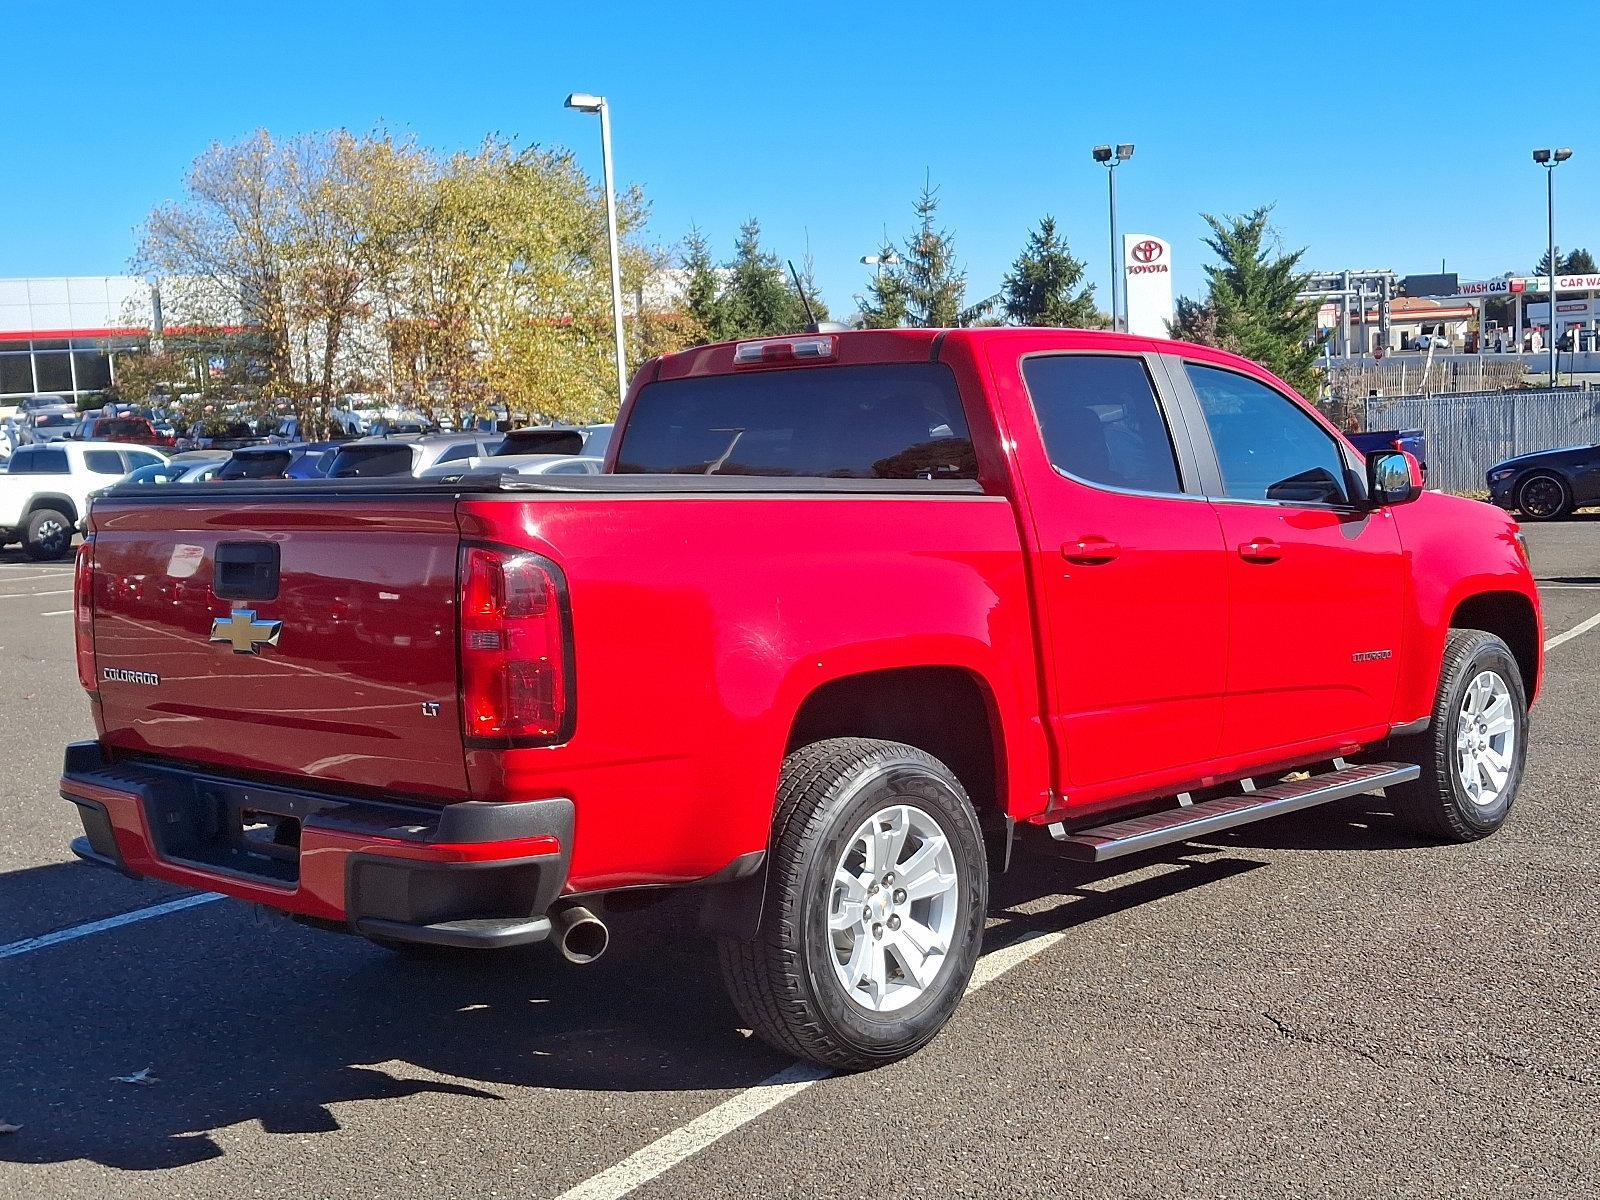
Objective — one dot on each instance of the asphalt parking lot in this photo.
(1319, 1005)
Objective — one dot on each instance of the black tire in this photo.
(47, 535)
(783, 981)
(1437, 802)
(1544, 497)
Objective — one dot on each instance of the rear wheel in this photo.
(1473, 753)
(877, 883)
(1543, 497)
(47, 535)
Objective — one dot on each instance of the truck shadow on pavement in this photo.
(277, 1026)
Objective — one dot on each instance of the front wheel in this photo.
(877, 884)
(1473, 752)
(1543, 497)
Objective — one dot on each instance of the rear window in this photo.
(52, 420)
(255, 466)
(353, 462)
(542, 441)
(38, 461)
(891, 421)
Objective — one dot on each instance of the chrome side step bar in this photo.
(1134, 834)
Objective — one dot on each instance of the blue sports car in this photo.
(1548, 485)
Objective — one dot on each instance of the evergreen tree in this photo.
(759, 298)
(1042, 288)
(1579, 262)
(887, 305)
(935, 290)
(703, 290)
(1252, 297)
(924, 288)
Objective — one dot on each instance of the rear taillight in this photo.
(516, 656)
(83, 614)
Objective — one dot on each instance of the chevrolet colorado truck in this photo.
(846, 617)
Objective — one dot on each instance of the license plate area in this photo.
(233, 828)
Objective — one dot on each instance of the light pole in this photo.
(584, 102)
(878, 262)
(1550, 160)
(1111, 158)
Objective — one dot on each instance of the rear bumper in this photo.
(470, 874)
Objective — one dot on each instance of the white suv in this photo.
(44, 491)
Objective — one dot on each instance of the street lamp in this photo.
(879, 261)
(584, 102)
(1110, 157)
(1550, 160)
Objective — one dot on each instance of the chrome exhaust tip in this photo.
(581, 936)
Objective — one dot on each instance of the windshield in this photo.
(894, 421)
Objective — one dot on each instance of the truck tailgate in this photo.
(357, 688)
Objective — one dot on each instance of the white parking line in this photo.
(666, 1152)
(44, 941)
(60, 612)
(26, 595)
(1581, 628)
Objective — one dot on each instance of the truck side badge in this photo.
(430, 708)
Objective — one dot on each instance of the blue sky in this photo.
(822, 119)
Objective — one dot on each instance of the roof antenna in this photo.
(814, 325)
(811, 317)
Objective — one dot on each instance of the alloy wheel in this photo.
(1486, 738)
(893, 907)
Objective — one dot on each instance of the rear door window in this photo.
(1268, 447)
(1101, 422)
(104, 462)
(890, 421)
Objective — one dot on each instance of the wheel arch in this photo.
(947, 711)
(1510, 616)
(59, 501)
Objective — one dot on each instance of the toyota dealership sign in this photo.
(1147, 269)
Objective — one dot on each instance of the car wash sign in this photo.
(1147, 290)
(1490, 287)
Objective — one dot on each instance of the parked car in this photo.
(139, 431)
(1378, 441)
(191, 466)
(407, 453)
(858, 612)
(225, 434)
(45, 490)
(46, 424)
(517, 464)
(305, 460)
(1548, 485)
(590, 440)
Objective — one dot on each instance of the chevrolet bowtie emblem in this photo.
(244, 633)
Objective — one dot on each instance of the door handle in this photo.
(1090, 550)
(1261, 550)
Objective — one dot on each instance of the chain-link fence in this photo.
(1468, 432)
(1415, 375)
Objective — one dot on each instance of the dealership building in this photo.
(62, 336)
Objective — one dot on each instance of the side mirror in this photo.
(1393, 477)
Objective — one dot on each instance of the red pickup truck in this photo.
(847, 616)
